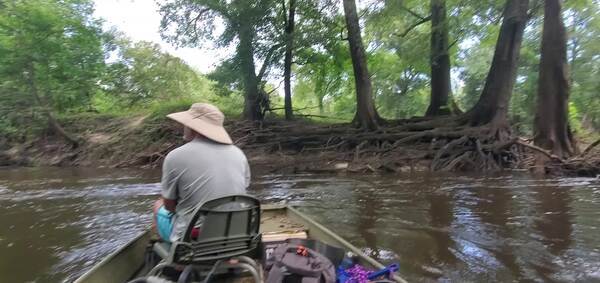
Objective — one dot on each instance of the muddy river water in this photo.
(56, 223)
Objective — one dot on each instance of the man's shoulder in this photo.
(236, 151)
(198, 147)
(206, 144)
(177, 152)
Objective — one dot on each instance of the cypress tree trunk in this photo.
(366, 114)
(440, 60)
(287, 64)
(492, 106)
(551, 125)
(245, 52)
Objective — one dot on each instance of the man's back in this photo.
(199, 171)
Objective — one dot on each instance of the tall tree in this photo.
(439, 60)
(366, 114)
(287, 65)
(145, 73)
(194, 23)
(245, 51)
(311, 33)
(492, 106)
(52, 55)
(551, 125)
(584, 31)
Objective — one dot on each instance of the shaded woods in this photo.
(378, 86)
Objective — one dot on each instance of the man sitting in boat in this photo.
(208, 166)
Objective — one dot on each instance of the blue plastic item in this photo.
(346, 263)
(385, 271)
(342, 275)
(164, 223)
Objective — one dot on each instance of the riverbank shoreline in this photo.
(141, 143)
(274, 146)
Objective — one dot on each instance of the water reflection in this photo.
(496, 217)
(441, 214)
(554, 225)
(367, 220)
(59, 222)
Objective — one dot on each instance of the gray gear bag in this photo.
(287, 265)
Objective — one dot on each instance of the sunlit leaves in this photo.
(60, 41)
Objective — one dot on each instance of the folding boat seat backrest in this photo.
(219, 229)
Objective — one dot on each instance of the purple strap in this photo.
(358, 274)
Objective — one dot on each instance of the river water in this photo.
(56, 223)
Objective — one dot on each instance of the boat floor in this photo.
(275, 222)
(278, 223)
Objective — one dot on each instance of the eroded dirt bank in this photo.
(281, 146)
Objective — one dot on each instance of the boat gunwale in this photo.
(112, 256)
(287, 208)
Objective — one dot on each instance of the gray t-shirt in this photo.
(199, 171)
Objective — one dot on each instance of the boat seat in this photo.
(162, 249)
(229, 228)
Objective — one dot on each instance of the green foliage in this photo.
(230, 105)
(160, 110)
(145, 74)
(8, 129)
(326, 82)
(58, 49)
(52, 58)
(192, 23)
(57, 44)
(583, 49)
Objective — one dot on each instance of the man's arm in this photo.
(169, 184)
(169, 204)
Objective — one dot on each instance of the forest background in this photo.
(62, 76)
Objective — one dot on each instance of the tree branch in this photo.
(540, 150)
(296, 109)
(284, 10)
(42, 102)
(413, 13)
(590, 147)
(320, 116)
(267, 61)
(422, 21)
(452, 44)
(535, 8)
(193, 22)
(220, 9)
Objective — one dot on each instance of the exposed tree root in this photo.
(590, 148)
(585, 164)
(444, 143)
(447, 145)
(541, 150)
(292, 146)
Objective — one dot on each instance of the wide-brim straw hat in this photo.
(205, 119)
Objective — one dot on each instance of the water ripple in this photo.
(446, 227)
